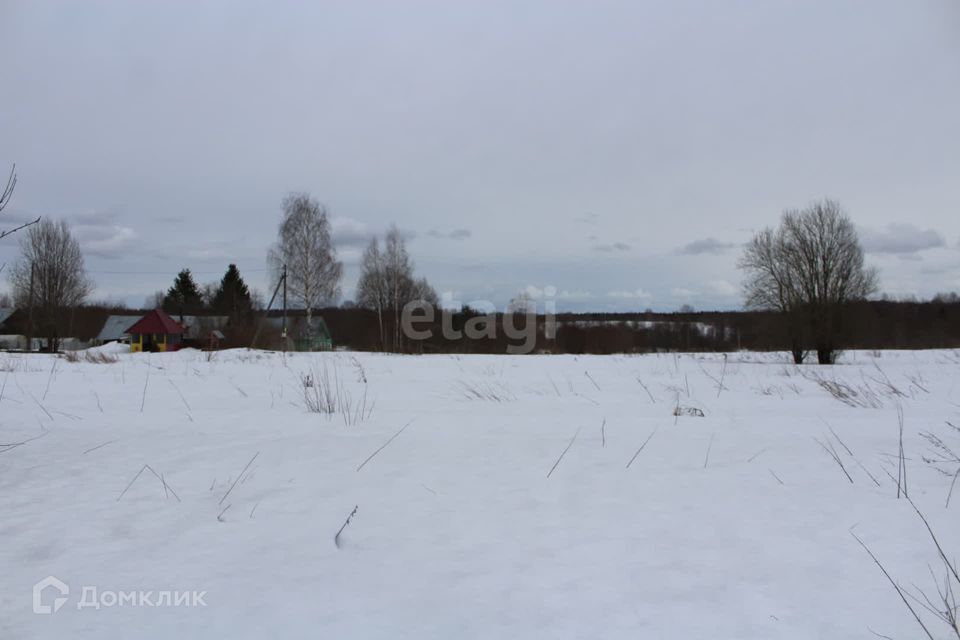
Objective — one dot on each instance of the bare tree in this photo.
(7, 192)
(208, 292)
(768, 285)
(372, 286)
(423, 291)
(5, 196)
(399, 277)
(387, 284)
(305, 248)
(809, 268)
(49, 278)
(257, 301)
(522, 303)
(155, 301)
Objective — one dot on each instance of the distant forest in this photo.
(868, 325)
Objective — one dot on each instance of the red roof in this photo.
(157, 321)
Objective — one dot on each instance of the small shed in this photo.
(214, 339)
(301, 336)
(315, 337)
(197, 329)
(156, 331)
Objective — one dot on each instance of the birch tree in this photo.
(387, 284)
(304, 246)
(372, 286)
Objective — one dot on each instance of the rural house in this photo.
(156, 331)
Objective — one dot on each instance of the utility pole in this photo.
(30, 309)
(266, 312)
(284, 332)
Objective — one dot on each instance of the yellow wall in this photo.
(136, 342)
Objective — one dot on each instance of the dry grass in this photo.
(15, 363)
(91, 357)
(943, 458)
(491, 391)
(859, 396)
(942, 603)
(324, 392)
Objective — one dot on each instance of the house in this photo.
(156, 331)
(12, 336)
(13, 342)
(5, 312)
(78, 328)
(196, 329)
(10, 340)
(114, 329)
(300, 336)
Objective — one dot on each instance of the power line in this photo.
(167, 273)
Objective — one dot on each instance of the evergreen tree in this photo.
(232, 297)
(184, 296)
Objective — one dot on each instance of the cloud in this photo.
(682, 293)
(900, 239)
(635, 294)
(710, 246)
(609, 248)
(94, 218)
(113, 243)
(14, 218)
(722, 288)
(587, 218)
(209, 252)
(536, 292)
(99, 235)
(350, 255)
(348, 232)
(574, 295)
(940, 269)
(456, 234)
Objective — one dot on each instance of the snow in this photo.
(458, 530)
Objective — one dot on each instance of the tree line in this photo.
(304, 254)
(229, 297)
(49, 279)
(805, 281)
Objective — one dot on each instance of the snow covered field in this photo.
(512, 504)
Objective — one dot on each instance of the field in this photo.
(657, 496)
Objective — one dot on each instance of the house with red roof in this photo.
(156, 331)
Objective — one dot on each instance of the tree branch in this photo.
(4, 234)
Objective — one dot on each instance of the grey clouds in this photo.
(499, 136)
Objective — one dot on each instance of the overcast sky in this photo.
(618, 152)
